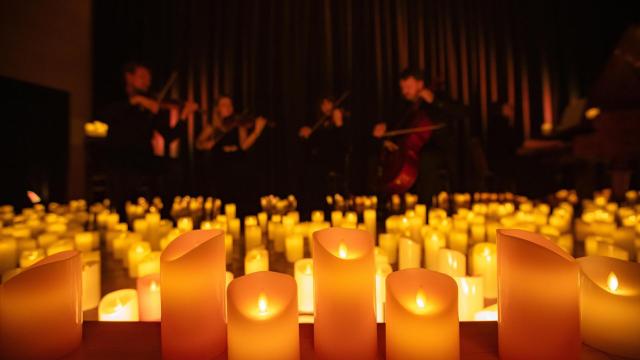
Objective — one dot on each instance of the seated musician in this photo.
(434, 162)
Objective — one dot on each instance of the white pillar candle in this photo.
(256, 260)
(294, 245)
(433, 241)
(490, 313)
(119, 305)
(137, 252)
(47, 239)
(317, 216)
(459, 240)
(91, 280)
(470, 296)
(452, 263)
(185, 224)
(336, 218)
(228, 248)
(410, 254)
(234, 228)
(389, 243)
(382, 271)
(8, 254)
(84, 241)
(484, 262)
(230, 210)
(263, 218)
(370, 220)
(303, 270)
(252, 237)
(148, 288)
(150, 264)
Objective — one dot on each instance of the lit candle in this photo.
(228, 248)
(410, 254)
(370, 221)
(433, 241)
(613, 251)
(149, 297)
(252, 237)
(278, 237)
(294, 245)
(263, 218)
(263, 312)
(529, 265)
(458, 240)
(230, 210)
(47, 239)
(452, 263)
(490, 313)
(256, 260)
(192, 271)
(484, 262)
(150, 264)
(91, 280)
(41, 309)
(8, 254)
(303, 270)
(121, 244)
(30, 257)
(389, 243)
(421, 212)
(137, 252)
(119, 305)
(185, 224)
(344, 280)
(234, 228)
(250, 220)
(382, 271)
(336, 218)
(470, 296)
(421, 315)
(317, 216)
(60, 246)
(610, 305)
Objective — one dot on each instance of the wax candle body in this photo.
(452, 263)
(410, 254)
(470, 296)
(433, 241)
(8, 254)
(303, 269)
(484, 262)
(389, 242)
(256, 260)
(148, 288)
(344, 280)
(263, 317)
(252, 237)
(421, 315)
(192, 271)
(41, 309)
(136, 253)
(91, 281)
(294, 245)
(530, 265)
(119, 305)
(382, 271)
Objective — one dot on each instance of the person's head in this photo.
(224, 106)
(137, 78)
(411, 84)
(326, 105)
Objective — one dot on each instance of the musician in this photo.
(324, 139)
(434, 163)
(226, 140)
(140, 129)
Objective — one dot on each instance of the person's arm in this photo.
(247, 140)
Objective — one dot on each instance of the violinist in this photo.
(141, 130)
(422, 103)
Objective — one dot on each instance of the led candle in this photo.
(263, 312)
(84, 241)
(433, 241)
(228, 248)
(230, 210)
(150, 264)
(192, 271)
(530, 265)
(121, 244)
(41, 309)
(137, 251)
(30, 257)
(252, 237)
(250, 220)
(185, 224)
(336, 218)
(8, 254)
(234, 228)
(490, 313)
(484, 262)
(60, 246)
(610, 305)
(389, 243)
(458, 240)
(370, 221)
(317, 216)
(452, 263)
(91, 281)
(344, 280)
(613, 251)
(119, 305)
(421, 212)
(256, 260)
(303, 270)
(410, 254)
(421, 315)
(470, 296)
(382, 271)
(46, 239)
(148, 288)
(278, 237)
(263, 218)
(294, 245)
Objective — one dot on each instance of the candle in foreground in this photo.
(344, 280)
(91, 280)
(192, 271)
(421, 315)
(256, 260)
(303, 270)
(484, 262)
(382, 271)
(149, 297)
(263, 317)
(610, 305)
(41, 309)
(119, 305)
(530, 265)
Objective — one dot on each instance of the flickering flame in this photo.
(612, 281)
(420, 299)
(154, 286)
(262, 303)
(342, 250)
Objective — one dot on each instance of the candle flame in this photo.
(612, 281)
(420, 299)
(342, 250)
(262, 303)
(154, 286)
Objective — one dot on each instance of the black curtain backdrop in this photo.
(277, 57)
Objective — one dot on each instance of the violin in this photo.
(327, 118)
(159, 98)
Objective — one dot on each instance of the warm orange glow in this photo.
(342, 250)
(307, 269)
(612, 282)
(262, 303)
(592, 113)
(421, 299)
(154, 286)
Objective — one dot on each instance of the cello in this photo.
(399, 169)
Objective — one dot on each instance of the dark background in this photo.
(278, 57)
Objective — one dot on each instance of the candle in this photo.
(490, 313)
(228, 248)
(278, 237)
(451, 262)
(91, 281)
(149, 297)
(84, 241)
(422, 315)
(121, 244)
(149, 264)
(263, 218)
(421, 212)
(458, 240)
(610, 250)
(433, 241)
(294, 245)
(8, 254)
(484, 262)
(137, 252)
(60, 246)
(230, 210)
(410, 254)
(382, 271)
(252, 237)
(470, 296)
(256, 260)
(30, 257)
(610, 305)
(530, 265)
(119, 305)
(234, 228)
(317, 216)
(263, 317)
(370, 221)
(336, 218)
(344, 281)
(192, 271)
(185, 224)
(389, 243)
(303, 270)
(41, 309)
